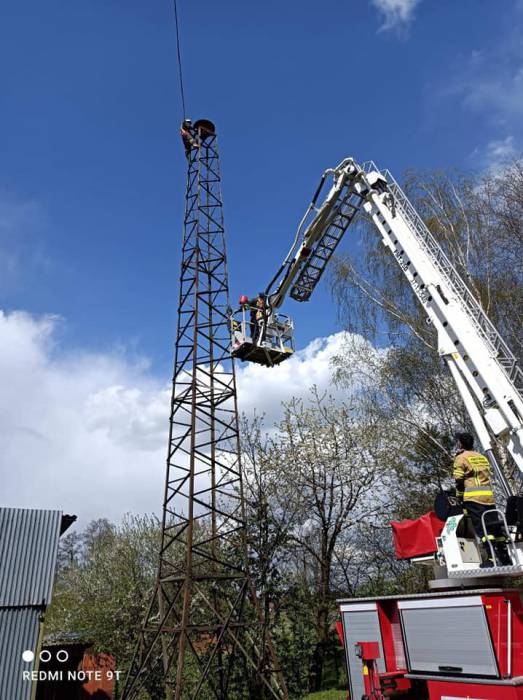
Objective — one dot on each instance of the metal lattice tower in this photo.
(202, 634)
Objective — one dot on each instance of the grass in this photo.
(327, 695)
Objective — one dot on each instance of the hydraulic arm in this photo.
(482, 365)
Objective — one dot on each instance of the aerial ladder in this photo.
(464, 638)
(482, 365)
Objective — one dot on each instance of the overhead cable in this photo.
(180, 72)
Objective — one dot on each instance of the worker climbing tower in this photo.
(202, 637)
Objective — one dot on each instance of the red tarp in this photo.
(415, 538)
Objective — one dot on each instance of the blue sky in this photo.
(92, 180)
(92, 171)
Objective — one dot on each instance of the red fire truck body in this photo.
(452, 645)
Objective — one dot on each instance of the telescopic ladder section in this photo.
(482, 365)
(500, 350)
(317, 260)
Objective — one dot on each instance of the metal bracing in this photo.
(202, 633)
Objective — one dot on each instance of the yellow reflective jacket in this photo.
(473, 469)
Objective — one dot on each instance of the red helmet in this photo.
(244, 299)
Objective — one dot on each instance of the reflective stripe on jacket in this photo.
(474, 469)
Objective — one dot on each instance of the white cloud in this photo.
(496, 155)
(262, 389)
(490, 80)
(499, 152)
(501, 149)
(86, 433)
(496, 87)
(395, 14)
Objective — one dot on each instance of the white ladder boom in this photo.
(484, 368)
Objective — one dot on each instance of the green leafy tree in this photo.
(104, 583)
(312, 482)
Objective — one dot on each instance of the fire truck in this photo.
(464, 637)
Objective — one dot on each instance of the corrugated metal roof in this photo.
(19, 630)
(28, 552)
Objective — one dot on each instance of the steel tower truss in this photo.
(202, 634)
